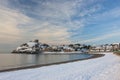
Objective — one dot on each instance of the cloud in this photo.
(46, 15)
(9, 21)
(53, 35)
(104, 17)
(90, 11)
(56, 9)
(103, 37)
(101, 26)
(52, 21)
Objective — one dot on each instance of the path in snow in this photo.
(103, 68)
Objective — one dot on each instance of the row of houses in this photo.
(35, 45)
(65, 48)
(106, 47)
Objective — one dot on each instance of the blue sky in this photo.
(59, 21)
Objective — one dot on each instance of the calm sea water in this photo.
(9, 60)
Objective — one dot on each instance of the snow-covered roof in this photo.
(115, 43)
(31, 44)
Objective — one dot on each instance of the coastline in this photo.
(62, 53)
(117, 53)
(37, 66)
(93, 69)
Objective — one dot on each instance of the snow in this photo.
(31, 44)
(103, 68)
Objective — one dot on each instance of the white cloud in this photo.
(53, 34)
(103, 37)
(9, 20)
(58, 14)
(105, 16)
(109, 23)
(57, 10)
(50, 21)
(57, 24)
(90, 10)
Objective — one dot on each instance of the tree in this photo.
(89, 47)
(78, 44)
(105, 47)
(113, 47)
(71, 45)
(36, 40)
(46, 45)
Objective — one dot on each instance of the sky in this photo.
(59, 22)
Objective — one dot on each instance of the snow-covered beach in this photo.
(103, 68)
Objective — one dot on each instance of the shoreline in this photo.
(37, 66)
(92, 69)
(63, 53)
(54, 53)
(117, 53)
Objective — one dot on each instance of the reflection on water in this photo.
(16, 60)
